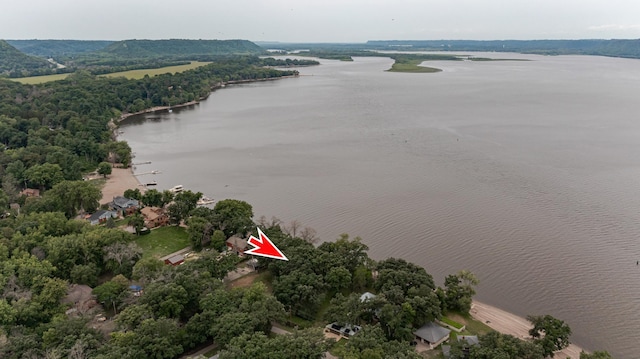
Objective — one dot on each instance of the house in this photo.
(124, 205)
(345, 331)
(101, 216)
(154, 217)
(30, 192)
(366, 296)
(175, 260)
(432, 334)
(237, 245)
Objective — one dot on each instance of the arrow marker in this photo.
(264, 247)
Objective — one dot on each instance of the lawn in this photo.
(132, 74)
(163, 241)
(138, 74)
(473, 327)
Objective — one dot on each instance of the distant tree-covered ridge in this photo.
(181, 47)
(58, 48)
(14, 63)
(615, 48)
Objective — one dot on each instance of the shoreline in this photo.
(114, 123)
(120, 180)
(499, 320)
(509, 323)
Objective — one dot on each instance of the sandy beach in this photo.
(120, 180)
(508, 323)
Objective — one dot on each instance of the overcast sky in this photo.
(319, 20)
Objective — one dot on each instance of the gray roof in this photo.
(177, 258)
(124, 202)
(432, 332)
(470, 339)
(366, 296)
(237, 242)
(100, 214)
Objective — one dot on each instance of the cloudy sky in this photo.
(319, 20)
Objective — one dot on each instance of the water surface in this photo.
(526, 173)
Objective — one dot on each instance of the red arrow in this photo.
(264, 247)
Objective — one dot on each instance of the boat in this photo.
(204, 201)
(176, 189)
(151, 183)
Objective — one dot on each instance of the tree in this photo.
(113, 292)
(74, 196)
(120, 257)
(197, 230)
(596, 355)
(303, 344)
(152, 198)
(137, 222)
(233, 216)
(371, 343)
(133, 194)
(495, 345)
(550, 333)
(44, 176)
(104, 168)
(166, 300)
(338, 278)
(218, 240)
(459, 290)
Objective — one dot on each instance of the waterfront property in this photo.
(237, 245)
(124, 205)
(432, 334)
(101, 216)
(154, 217)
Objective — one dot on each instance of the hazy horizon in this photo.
(330, 21)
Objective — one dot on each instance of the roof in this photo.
(176, 259)
(31, 192)
(124, 202)
(100, 214)
(432, 332)
(237, 242)
(150, 213)
(366, 296)
(470, 339)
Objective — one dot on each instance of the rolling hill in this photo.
(180, 48)
(14, 63)
(58, 48)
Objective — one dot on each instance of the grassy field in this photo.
(133, 74)
(473, 327)
(163, 241)
(34, 80)
(411, 66)
(138, 74)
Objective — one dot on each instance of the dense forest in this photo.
(100, 57)
(58, 48)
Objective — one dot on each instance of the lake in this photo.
(527, 173)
